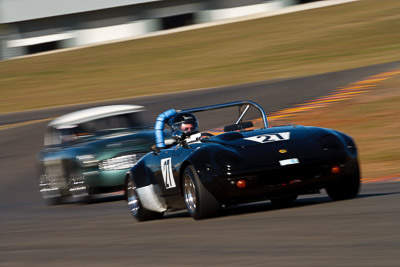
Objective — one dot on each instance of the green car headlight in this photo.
(87, 160)
(119, 163)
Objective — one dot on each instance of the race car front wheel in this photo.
(199, 202)
(135, 207)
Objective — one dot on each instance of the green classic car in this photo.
(88, 152)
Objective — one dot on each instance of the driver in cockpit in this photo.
(185, 123)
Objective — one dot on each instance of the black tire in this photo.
(283, 201)
(89, 199)
(199, 202)
(53, 201)
(135, 207)
(345, 188)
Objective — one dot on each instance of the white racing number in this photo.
(166, 169)
(268, 138)
(289, 161)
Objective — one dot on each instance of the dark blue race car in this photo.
(242, 162)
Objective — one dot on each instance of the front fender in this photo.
(149, 192)
(141, 174)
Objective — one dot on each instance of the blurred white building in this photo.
(33, 26)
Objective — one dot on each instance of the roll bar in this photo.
(243, 108)
(240, 104)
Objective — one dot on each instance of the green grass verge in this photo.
(309, 42)
(372, 120)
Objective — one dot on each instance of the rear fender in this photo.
(203, 161)
(349, 143)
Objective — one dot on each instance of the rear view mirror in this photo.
(178, 136)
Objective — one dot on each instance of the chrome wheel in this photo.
(190, 194)
(135, 207)
(199, 202)
(132, 197)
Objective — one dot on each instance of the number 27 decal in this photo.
(166, 169)
(268, 138)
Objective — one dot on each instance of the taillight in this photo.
(241, 183)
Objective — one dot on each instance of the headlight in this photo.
(119, 163)
(87, 160)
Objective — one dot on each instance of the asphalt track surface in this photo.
(314, 231)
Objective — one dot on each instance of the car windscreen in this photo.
(68, 134)
(123, 121)
(228, 117)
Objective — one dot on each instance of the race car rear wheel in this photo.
(135, 207)
(199, 202)
(345, 188)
